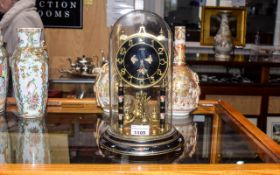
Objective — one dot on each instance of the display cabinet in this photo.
(249, 83)
(226, 142)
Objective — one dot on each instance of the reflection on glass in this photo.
(188, 129)
(5, 143)
(32, 146)
(236, 149)
(182, 12)
(218, 139)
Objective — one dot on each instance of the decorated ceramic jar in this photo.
(186, 88)
(29, 65)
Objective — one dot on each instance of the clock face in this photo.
(142, 62)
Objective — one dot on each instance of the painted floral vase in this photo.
(32, 141)
(3, 75)
(186, 88)
(29, 65)
(223, 40)
(5, 141)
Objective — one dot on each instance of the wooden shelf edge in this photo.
(64, 105)
(155, 169)
(89, 105)
(60, 101)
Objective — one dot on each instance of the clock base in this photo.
(144, 147)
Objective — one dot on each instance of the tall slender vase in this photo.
(223, 40)
(186, 88)
(32, 142)
(3, 75)
(30, 73)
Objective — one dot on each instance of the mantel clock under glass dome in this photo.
(141, 88)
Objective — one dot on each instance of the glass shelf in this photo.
(224, 137)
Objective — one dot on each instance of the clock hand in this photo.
(133, 59)
(149, 59)
(142, 70)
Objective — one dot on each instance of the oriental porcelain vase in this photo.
(3, 75)
(186, 88)
(29, 65)
(223, 40)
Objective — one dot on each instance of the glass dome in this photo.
(140, 86)
(140, 50)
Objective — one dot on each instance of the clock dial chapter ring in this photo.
(141, 62)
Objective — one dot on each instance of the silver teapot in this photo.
(83, 65)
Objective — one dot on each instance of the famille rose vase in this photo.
(29, 65)
(3, 75)
(186, 88)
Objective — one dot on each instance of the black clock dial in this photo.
(142, 62)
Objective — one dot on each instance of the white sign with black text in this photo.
(61, 13)
(140, 130)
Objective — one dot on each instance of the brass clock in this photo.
(141, 90)
(142, 60)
